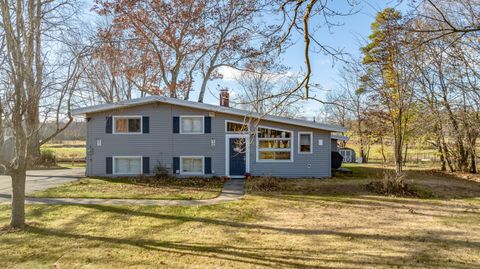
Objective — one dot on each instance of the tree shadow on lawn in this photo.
(289, 257)
(421, 207)
(237, 224)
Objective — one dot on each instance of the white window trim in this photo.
(238, 122)
(227, 151)
(311, 143)
(192, 173)
(273, 161)
(127, 117)
(192, 116)
(127, 157)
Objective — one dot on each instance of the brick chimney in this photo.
(224, 98)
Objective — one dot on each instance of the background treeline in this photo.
(416, 87)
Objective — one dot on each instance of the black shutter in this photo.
(208, 165)
(146, 165)
(176, 125)
(109, 166)
(208, 125)
(176, 164)
(146, 125)
(108, 126)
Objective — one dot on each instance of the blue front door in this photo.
(237, 156)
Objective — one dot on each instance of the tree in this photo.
(458, 19)
(267, 93)
(24, 24)
(355, 101)
(173, 41)
(390, 76)
(297, 18)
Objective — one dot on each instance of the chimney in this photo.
(224, 98)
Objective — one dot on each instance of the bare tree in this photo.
(266, 93)
(354, 98)
(297, 18)
(26, 24)
(459, 19)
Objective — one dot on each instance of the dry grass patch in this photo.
(274, 229)
(277, 231)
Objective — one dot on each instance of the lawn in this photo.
(67, 150)
(307, 224)
(147, 188)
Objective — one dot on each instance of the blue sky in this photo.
(350, 36)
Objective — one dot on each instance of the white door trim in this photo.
(227, 152)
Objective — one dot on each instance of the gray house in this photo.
(195, 139)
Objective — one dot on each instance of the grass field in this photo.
(308, 224)
(126, 188)
(67, 150)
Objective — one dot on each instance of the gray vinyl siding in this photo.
(161, 144)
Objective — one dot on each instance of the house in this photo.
(348, 155)
(196, 139)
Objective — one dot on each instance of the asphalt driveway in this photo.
(38, 180)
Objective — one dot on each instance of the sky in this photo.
(352, 34)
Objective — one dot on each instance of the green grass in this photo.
(296, 229)
(127, 188)
(72, 165)
(68, 153)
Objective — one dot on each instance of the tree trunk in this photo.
(32, 122)
(443, 166)
(382, 148)
(446, 153)
(473, 165)
(34, 149)
(203, 88)
(406, 154)
(18, 198)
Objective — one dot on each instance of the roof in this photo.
(339, 137)
(208, 107)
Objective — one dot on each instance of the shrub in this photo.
(171, 181)
(393, 184)
(264, 184)
(47, 157)
(160, 171)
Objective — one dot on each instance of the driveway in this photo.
(38, 180)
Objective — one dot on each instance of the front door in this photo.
(237, 156)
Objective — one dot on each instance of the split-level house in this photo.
(196, 139)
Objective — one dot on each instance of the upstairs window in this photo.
(127, 124)
(305, 142)
(274, 145)
(236, 127)
(191, 125)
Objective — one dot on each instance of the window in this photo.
(305, 142)
(274, 145)
(236, 127)
(191, 165)
(191, 124)
(127, 124)
(127, 165)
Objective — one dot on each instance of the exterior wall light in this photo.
(212, 142)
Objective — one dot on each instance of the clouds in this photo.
(229, 73)
(232, 75)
